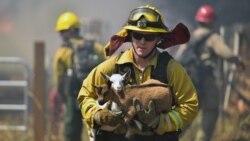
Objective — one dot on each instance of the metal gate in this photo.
(14, 95)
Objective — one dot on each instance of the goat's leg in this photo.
(136, 131)
(131, 130)
(106, 105)
(130, 114)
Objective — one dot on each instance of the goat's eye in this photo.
(109, 83)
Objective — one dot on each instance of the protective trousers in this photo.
(73, 120)
(209, 102)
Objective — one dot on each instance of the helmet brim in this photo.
(179, 35)
(146, 29)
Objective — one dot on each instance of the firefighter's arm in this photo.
(185, 97)
(60, 65)
(87, 96)
(218, 45)
(223, 51)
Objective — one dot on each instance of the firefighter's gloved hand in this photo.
(107, 117)
(240, 64)
(148, 117)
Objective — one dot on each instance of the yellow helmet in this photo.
(147, 19)
(66, 21)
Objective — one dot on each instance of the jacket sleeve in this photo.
(62, 61)
(185, 97)
(87, 96)
(220, 48)
(223, 50)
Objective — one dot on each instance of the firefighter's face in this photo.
(67, 34)
(144, 42)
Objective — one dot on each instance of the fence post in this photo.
(39, 91)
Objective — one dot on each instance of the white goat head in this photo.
(117, 81)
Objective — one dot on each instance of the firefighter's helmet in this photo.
(146, 19)
(66, 21)
(205, 14)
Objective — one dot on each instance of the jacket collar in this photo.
(127, 57)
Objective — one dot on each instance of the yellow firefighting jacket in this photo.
(63, 58)
(182, 89)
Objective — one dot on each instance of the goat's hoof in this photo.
(128, 135)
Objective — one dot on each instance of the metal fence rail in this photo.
(24, 85)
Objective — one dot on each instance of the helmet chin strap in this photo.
(144, 57)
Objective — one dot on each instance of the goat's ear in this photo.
(97, 89)
(104, 76)
(126, 75)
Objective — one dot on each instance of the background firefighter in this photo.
(207, 50)
(72, 62)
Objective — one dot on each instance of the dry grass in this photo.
(231, 129)
(56, 135)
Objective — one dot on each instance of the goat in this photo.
(113, 107)
(152, 89)
(120, 128)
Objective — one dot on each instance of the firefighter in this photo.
(145, 30)
(209, 49)
(65, 67)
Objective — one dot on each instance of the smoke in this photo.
(34, 20)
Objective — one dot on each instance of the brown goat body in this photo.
(152, 89)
